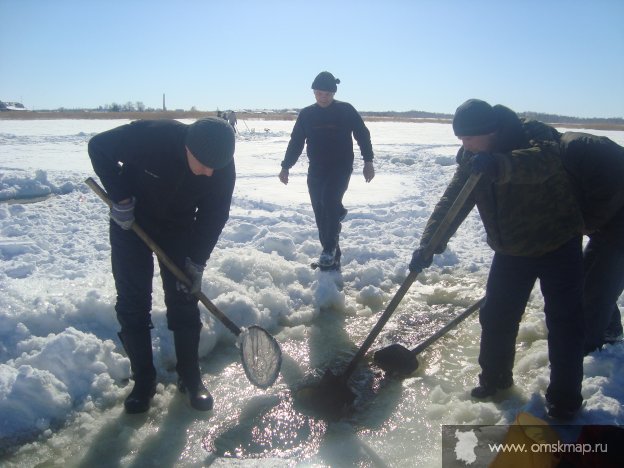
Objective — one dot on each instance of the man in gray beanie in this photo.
(177, 181)
(533, 223)
(327, 128)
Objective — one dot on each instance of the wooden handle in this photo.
(162, 256)
(437, 237)
(449, 326)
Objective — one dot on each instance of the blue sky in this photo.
(563, 57)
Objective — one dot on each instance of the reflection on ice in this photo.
(267, 427)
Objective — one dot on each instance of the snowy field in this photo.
(63, 374)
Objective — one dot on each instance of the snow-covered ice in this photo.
(63, 374)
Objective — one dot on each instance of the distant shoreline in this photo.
(87, 115)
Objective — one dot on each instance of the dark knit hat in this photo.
(211, 141)
(325, 81)
(474, 117)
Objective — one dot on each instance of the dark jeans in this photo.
(603, 263)
(326, 188)
(510, 283)
(133, 270)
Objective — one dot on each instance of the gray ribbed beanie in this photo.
(211, 141)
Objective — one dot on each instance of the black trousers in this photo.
(133, 271)
(509, 285)
(603, 261)
(327, 187)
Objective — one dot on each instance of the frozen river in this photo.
(63, 374)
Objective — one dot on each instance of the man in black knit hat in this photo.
(177, 181)
(327, 128)
(533, 223)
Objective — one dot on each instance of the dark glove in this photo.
(486, 164)
(123, 215)
(419, 262)
(194, 273)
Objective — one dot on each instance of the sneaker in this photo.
(561, 412)
(327, 258)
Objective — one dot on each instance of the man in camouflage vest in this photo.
(533, 224)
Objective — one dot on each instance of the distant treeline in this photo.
(550, 118)
(408, 115)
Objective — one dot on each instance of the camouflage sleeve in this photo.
(532, 165)
(442, 207)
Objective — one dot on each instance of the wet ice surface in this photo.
(63, 374)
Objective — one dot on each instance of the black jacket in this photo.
(147, 159)
(328, 131)
(596, 167)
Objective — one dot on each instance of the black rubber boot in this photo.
(138, 346)
(189, 376)
(489, 387)
(561, 411)
(563, 405)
